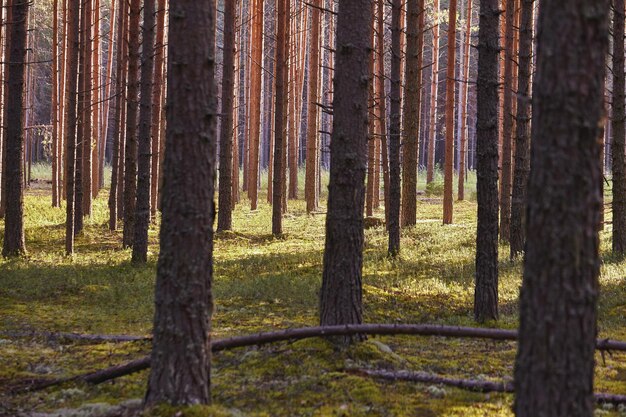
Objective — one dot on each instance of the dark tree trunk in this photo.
(80, 125)
(619, 133)
(280, 115)
(448, 177)
(116, 161)
(486, 291)
(142, 212)
(132, 113)
(412, 109)
(554, 367)
(157, 98)
(312, 140)
(14, 244)
(522, 137)
(181, 354)
(341, 297)
(71, 87)
(393, 219)
(86, 120)
(224, 216)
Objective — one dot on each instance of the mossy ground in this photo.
(263, 283)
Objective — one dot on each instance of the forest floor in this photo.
(262, 283)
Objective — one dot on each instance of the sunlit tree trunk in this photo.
(450, 84)
(434, 92)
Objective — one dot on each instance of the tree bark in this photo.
(434, 92)
(310, 183)
(54, 107)
(486, 287)
(254, 102)
(87, 135)
(393, 219)
(14, 244)
(554, 368)
(341, 293)
(463, 99)
(181, 354)
(522, 137)
(412, 109)
(450, 84)
(382, 103)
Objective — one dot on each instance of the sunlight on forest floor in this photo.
(264, 283)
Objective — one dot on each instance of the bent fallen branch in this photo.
(320, 331)
(467, 384)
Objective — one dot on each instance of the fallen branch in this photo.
(76, 337)
(320, 331)
(467, 384)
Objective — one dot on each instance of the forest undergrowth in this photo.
(262, 283)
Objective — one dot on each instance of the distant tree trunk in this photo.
(434, 92)
(522, 137)
(382, 103)
(117, 134)
(181, 348)
(450, 84)
(96, 104)
(310, 183)
(507, 124)
(372, 139)
(157, 95)
(71, 86)
(554, 368)
(224, 217)
(393, 219)
(54, 108)
(255, 99)
(87, 138)
(619, 133)
(123, 41)
(106, 105)
(412, 109)
(83, 85)
(132, 113)
(463, 99)
(14, 244)
(486, 289)
(142, 213)
(341, 293)
(280, 114)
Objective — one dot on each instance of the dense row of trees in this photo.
(328, 82)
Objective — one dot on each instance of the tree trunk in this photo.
(181, 354)
(554, 368)
(142, 213)
(486, 290)
(463, 99)
(393, 220)
(619, 133)
(157, 93)
(54, 108)
(14, 244)
(522, 137)
(450, 84)
(132, 113)
(87, 138)
(382, 103)
(224, 217)
(71, 86)
(254, 103)
(341, 293)
(310, 182)
(96, 103)
(412, 109)
(434, 92)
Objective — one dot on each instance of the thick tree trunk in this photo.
(619, 132)
(142, 213)
(14, 244)
(132, 115)
(393, 219)
(554, 368)
(341, 293)
(412, 109)
(181, 354)
(71, 86)
(434, 92)
(224, 217)
(310, 181)
(522, 137)
(448, 177)
(486, 290)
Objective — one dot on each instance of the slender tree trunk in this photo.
(310, 184)
(393, 223)
(554, 368)
(181, 352)
(619, 132)
(382, 103)
(450, 84)
(54, 108)
(96, 104)
(87, 139)
(132, 113)
(5, 110)
(71, 86)
(14, 244)
(80, 124)
(341, 293)
(371, 141)
(142, 213)
(225, 218)
(108, 79)
(412, 109)
(522, 137)
(123, 106)
(157, 93)
(486, 290)
(463, 99)
(255, 100)
(434, 92)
